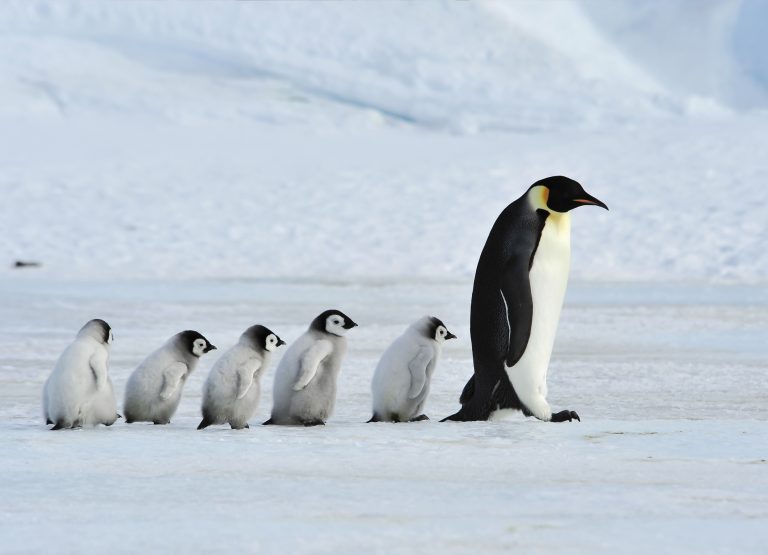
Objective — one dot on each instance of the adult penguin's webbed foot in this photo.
(565, 415)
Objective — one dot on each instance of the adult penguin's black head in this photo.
(562, 194)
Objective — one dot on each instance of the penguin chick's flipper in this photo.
(204, 423)
(565, 415)
(419, 418)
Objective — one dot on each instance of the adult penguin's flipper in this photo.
(515, 292)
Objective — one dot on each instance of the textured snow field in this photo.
(179, 166)
(670, 456)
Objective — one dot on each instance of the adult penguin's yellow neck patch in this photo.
(538, 197)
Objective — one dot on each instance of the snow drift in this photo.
(378, 140)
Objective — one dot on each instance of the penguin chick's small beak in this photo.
(280, 342)
(349, 325)
(210, 348)
(449, 335)
(589, 199)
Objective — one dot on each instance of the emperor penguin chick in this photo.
(79, 392)
(305, 380)
(401, 381)
(231, 392)
(154, 389)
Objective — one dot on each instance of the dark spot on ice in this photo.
(26, 264)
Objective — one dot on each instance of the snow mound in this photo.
(377, 140)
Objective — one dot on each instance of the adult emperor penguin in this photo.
(231, 392)
(79, 391)
(154, 389)
(305, 380)
(516, 300)
(402, 377)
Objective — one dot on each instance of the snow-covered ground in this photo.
(670, 455)
(189, 166)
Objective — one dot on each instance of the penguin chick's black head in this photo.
(259, 335)
(438, 330)
(339, 319)
(195, 343)
(562, 194)
(99, 328)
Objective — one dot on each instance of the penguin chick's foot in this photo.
(564, 415)
(419, 418)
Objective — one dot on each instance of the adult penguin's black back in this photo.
(518, 292)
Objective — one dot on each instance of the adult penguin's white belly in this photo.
(548, 280)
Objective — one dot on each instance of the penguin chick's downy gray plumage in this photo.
(518, 292)
(305, 380)
(401, 381)
(154, 389)
(231, 392)
(79, 392)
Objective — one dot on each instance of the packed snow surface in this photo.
(175, 166)
(670, 456)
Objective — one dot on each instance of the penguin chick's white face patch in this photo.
(440, 334)
(111, 338)
(198, 347)
(271, 342)
(335, 324)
